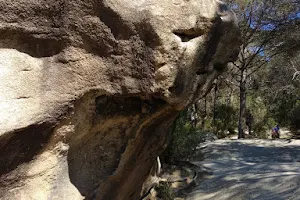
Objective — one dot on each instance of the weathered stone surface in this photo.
(89, 88)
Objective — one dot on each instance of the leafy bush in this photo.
(286, 110)
(260, 130)
(184, 141)
(263, 120)
(226, 119)
(164, 191)
(295, 117)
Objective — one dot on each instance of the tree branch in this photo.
(296, 70)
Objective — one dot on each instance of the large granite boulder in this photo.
(89, 88)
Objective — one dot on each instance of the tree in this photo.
(264, 25)
(283, 90)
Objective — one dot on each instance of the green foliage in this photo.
(258, 109)
(164, 191)
(286, 109)
(225, 119)
(184, 140)
(261, 128)
(295, 117)
(208, 125)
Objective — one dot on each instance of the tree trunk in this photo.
(204, 114)
(242, 87)
(193, 116)
(249, 121)
(215, 104)
(250, 129)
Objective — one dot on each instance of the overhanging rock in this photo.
(89, 88)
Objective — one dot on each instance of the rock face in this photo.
(89, 89)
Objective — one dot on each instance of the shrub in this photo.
(295, 117)
(184, 141)
(226, 118)
(164, 191)
(260, 130)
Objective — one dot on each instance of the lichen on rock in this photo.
(90, 88)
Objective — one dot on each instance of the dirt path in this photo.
(250, 169)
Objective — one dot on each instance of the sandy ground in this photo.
(250, 169)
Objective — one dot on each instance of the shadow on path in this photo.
(249, 169)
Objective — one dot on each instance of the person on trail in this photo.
(275, 132)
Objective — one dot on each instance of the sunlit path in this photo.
(250, 169)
